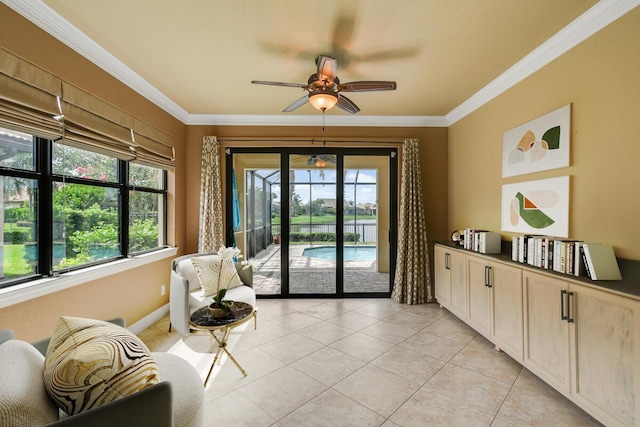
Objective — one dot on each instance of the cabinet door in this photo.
(458, 268)
(507, 312)
(443, 275)
(546, 334)
(605, 338)
(479, 314)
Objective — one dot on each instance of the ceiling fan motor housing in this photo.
(315, 83)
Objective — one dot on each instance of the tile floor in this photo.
(366, 362)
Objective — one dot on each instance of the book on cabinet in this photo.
(600, 261)
(483, 241)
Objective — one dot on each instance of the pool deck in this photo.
(314, 275)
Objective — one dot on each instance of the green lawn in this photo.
(14, 262)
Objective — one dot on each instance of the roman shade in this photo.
(153, 147)
(28, 97)
(92, 124)
(33, 100)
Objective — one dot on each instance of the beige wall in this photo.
(601, 78)
(133, 294)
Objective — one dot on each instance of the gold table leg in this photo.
(222, 346)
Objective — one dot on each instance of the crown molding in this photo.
(316, 120)
(590, 22)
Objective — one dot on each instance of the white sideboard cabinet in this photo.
(605, 342)
(451, 288)
(579, 336)
(546, 330)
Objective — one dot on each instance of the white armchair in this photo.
(186, 296)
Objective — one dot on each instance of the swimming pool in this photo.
(351, 253)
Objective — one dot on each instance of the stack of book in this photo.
(482, 241)
(575, 257)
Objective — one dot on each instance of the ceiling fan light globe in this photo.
(323, 100)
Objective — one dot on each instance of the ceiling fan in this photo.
(325, 89)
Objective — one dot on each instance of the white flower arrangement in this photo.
(235, 254)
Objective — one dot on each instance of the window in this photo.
(65, 208)
(146, 208)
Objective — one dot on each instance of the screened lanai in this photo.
(304, 250)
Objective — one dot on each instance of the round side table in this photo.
(203, 320)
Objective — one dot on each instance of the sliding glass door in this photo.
(254, 215)
(315, 222)
(366, 222)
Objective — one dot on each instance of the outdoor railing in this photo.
(259, 238)
(366, 232)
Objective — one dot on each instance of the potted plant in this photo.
(219, 307)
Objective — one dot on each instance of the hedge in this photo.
(17, 237)
(322, 237)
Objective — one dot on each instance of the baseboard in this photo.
(149, 319)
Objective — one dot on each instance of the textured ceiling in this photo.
(202, 54)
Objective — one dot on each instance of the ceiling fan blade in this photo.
(386, 55)
(367, 86)
(262, 82)
(296, 104)
(347, 105)
(343, 29)
(327, 68)
(330, 158)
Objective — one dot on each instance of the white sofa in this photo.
(186, 295)
(177, 401)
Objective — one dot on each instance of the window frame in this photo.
(42, 174)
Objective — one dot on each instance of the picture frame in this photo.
(537, 207)
(540, 144)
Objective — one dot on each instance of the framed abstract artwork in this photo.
(537, 207)
(538, 145)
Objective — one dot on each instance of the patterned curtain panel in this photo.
(211, 231)
(412, 284)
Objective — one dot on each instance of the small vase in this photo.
(217, 312)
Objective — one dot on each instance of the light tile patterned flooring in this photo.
(365, 362)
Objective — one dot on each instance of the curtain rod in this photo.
(313, 141)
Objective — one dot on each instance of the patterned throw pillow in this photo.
(214, 271)
(90, 363)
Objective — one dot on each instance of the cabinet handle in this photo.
(487, 276)
(563, 316)
(446, 260)
(569, 298)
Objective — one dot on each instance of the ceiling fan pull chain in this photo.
(324, 138)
